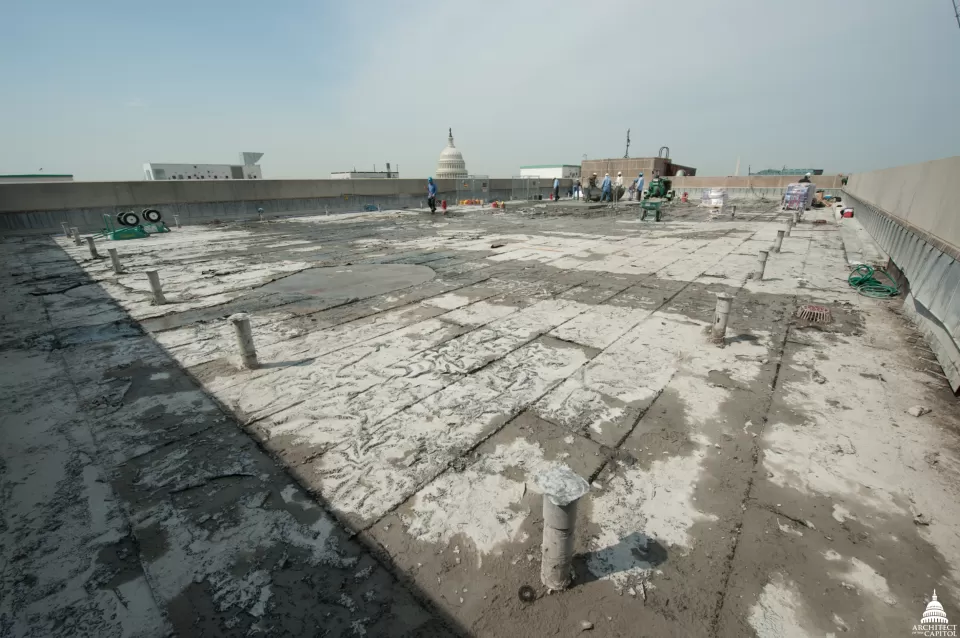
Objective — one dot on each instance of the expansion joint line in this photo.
(748, 492)
(97, 457)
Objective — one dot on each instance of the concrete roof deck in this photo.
(410, 392)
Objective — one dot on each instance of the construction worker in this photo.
(432, 195)
(556, 189)
(805, 179)
(640, 186)
(591, 184)
(577, 189)
(605, 188)
(619, 183)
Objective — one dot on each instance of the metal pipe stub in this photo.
(721, 317)
(248, 353)
(761, 264)
(562, 488)
(158, 298)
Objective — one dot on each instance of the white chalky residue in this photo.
(368, 476)
(778, 612)
(700, 400)
(539, 318)
(600, 326)
(192, 408)
(342, 374)
(637, 367)
(291, 494)
(572, 404)
(561, 485)
(636, 504)
(250, 592)
(840, 513)
(194, 551)
(865, 578)
(449, 301)
(479, 313)
(191, 286)
(479, 502)
(812, 459)
(795, 458)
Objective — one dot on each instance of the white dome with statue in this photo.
(934, 613)
(451, 164)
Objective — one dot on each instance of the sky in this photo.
(97, 88)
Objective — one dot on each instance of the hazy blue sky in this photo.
(97, 88)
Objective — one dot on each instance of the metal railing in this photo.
(525, 188)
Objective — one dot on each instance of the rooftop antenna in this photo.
(626, 155)
(956, 10)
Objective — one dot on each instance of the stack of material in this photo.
(715, 199)
(798, 196)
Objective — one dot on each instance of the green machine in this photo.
(128, 225)
(661, 187)
(661, 190)
(647, 207)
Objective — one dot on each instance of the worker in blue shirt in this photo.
(605, 188)
(556, 189)
(640, 187)
(432, 195)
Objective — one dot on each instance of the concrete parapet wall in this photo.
(80, 195)
(911, 211)
(694, 183)
(20, 198)
(41, 207)
(925, 197)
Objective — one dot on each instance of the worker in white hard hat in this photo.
(805, 179)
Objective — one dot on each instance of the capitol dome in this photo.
(934, 613)
(451, 164)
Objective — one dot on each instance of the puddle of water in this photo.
(346, 282)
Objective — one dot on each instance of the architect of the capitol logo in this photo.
(934, 621)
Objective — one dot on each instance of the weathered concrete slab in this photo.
(418, 416)
(471, 537)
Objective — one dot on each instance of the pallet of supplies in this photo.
(798, 196)
(716, 200)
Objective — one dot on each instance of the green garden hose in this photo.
(861, 278)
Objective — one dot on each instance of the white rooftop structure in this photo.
(246, 169)
(451, 164)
